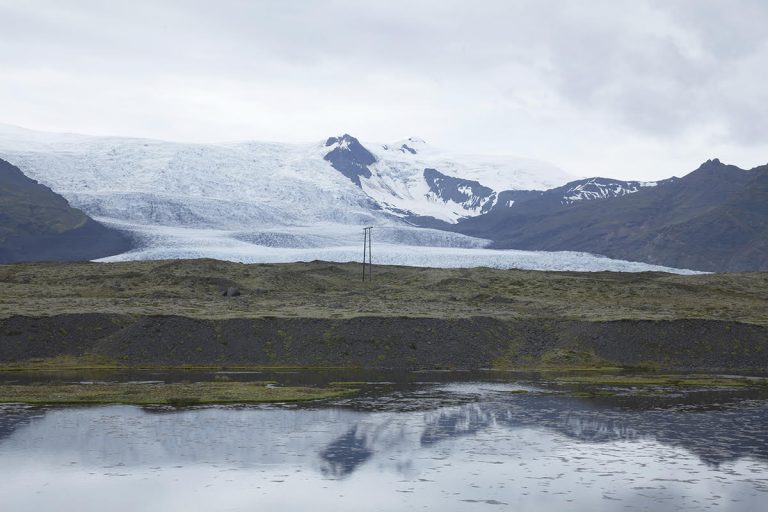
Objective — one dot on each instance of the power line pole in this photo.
(367, 251)
(370, 254)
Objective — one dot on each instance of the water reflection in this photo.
(14, 416)
(533, 451)
(464, 421)
(346, 453)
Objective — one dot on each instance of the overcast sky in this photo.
(628, 89)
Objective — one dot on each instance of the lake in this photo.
(448, 441)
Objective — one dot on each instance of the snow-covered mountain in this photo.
(601, 188)
(228, 200)
(412, 179)
(236, 185)
(574, 192)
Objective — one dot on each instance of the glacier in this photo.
(277, 202)
(179, 243)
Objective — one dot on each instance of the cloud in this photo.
(550, 79)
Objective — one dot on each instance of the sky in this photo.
(641, 89)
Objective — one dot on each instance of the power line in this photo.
(367, 251)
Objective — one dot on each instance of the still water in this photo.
(429, 441)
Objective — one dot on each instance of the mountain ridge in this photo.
(699, 221)
(37, 224)
(196, 200)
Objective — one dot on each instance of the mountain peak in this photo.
(715, 169)
(712, 176)
(343, 141)
(712, 163)
(411, 145)
(349, 157)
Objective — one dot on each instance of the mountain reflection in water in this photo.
(492, 447)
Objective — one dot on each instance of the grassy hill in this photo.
(193, 288)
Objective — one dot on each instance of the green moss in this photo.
(646, 366)
(188, 288)
(62, 363)
(592, 394)
(269, 350)
(660, 380)
(572, 358)
(286, 339)
(561, 359)
(330, 338)
(163, 394)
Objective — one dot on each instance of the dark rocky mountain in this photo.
(588, 189)
(37, 224)
(349, 157)
(713, 219)
(470, 193)
(597, 188)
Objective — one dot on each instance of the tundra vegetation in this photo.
(162, 314)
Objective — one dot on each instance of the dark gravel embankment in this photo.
(386, 342)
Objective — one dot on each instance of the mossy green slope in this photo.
(173, 313)
(193, 289)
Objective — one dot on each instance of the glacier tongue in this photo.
(335, 243)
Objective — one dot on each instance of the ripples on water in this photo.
(426, 445)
